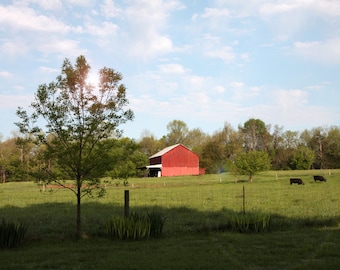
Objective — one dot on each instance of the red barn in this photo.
(173, 161)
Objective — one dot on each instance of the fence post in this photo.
(126, 203)
(244, 200)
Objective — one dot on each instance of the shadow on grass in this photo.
(58, 220)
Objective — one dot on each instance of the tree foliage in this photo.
(78, 116)
(303, 158)
(250, 163)
(177, 132)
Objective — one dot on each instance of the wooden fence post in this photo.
(126, 203)
(244, 200)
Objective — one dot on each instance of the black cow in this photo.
(296, 181)
(319, 178)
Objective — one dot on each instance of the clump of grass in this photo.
(157, 222)
(136, 227)
(246, 223)
(12, 234)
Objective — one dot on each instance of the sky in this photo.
(205, 63)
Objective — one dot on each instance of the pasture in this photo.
(304, 232)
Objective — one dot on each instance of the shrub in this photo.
(12, 234)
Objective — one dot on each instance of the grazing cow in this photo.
(319, 178)
(296, 181)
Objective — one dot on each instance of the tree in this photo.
(332, 148)
(255, 135)
(177, 132)
(302, 158)
(149, 144)
(78, 116)
(126, 157)
(250, 163)
(220, 147)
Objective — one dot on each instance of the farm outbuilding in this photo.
(174, 160)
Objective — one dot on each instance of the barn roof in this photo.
(165, 150)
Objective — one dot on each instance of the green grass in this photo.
(305, 231)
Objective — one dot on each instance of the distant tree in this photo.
(149, 144)
(331, 146)
(195, 140)
(256, 135)
(78, 117)
(302, 158)
(276, 150)
(177, 132)
(8, 153)
(220, 147)
(125, 157)
(250, 163)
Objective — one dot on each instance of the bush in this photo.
(12, 234)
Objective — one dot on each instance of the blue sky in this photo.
(202, 62)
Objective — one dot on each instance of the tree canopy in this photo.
(77, 117)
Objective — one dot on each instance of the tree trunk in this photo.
(79, 229)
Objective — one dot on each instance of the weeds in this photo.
(12, 234)
(136, 227)
(246, 223)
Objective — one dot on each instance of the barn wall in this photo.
(155, 160)
(180, 157)
(175, 171)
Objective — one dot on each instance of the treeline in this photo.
(318, 148)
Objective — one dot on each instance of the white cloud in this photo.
(327, 51)
(26, 19)
(67, 48)
(14, 48)
(55, 5)
(225, 53)
(215, 13)
(5, 74)
(146, 21)
(109, 9)
(48, 69)
(14, 101)
(289, 100)
(237, 84)
(105, 29)
(172, 69)
(220, 89)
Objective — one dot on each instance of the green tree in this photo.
(220, 147)
(332, 148)
(8, 153)
(255, 135)
(125, 158)
(302, 158)
(78, 116)
(149, 144)
(177, 132)
(250, 163)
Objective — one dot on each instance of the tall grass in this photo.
(12, 234)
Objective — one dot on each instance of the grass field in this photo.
(305, 233)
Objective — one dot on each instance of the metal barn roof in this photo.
(165, 150)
